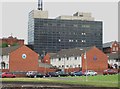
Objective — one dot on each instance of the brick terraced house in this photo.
(73, 59)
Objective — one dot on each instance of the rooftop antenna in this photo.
(40, 7)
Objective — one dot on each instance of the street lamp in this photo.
(64, 63)
(85, 58)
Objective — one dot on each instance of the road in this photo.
(28, 85)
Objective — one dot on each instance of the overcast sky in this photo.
(15, 16)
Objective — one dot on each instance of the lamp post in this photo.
(85, 57)
(64, 63)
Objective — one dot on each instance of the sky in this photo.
(15, 15)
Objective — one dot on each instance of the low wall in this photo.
(45, 70)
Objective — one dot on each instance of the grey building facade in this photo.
(52, 35)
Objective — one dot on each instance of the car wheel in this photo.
(13, 76)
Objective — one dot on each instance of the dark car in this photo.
(8, 75)
(79, 73)
(39, 75)
(53, 74)
(109, 71)
(62, 74)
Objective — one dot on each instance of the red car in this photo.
(109, 71)
(8, 75)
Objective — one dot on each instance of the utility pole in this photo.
(85, 58)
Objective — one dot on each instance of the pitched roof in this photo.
(7, 50)
(70, 52)
(109, 44)
(45, 65)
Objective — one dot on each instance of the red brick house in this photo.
(46, 58)
(73, 59)
(95, 60)
(12, 41)
(23, 59)
(111, 47)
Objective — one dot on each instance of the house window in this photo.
(75, 58)
(62, 65)
(67, 66)
(78, 65)
(113, 48)
(71, 66)
(116, 48)
(67, 58)
(59, 59)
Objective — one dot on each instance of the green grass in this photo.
(97, 81)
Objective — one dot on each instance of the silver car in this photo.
(90, 73)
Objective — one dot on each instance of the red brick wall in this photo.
(10, 41)
(100, 64)
(72, 70)
(17, 63)
(4, 70)
(115, 45)
(46, 59)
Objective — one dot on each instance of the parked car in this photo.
(0, 74)
(53, 74)
(61, 73)
(109, 71)
(90, 73)
(31, 74)
(39, 75)
(8, 75)
(79, 73)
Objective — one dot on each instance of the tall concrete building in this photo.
(63, 32)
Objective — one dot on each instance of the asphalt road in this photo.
(28, 85)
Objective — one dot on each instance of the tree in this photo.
(4, 45)
(15, 44)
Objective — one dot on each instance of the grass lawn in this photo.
(97, 81)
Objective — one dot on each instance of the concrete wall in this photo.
(40, 14)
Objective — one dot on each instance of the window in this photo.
(67, 58)
(67, 66)
(113, 48)
(62, 65)
(83, 33)
(71, 66)
(75, 58)
(85, 26)
(83, 41)
(59, 59)
(76, 40)
(116, 48)
(81, 15)
(75, 25)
